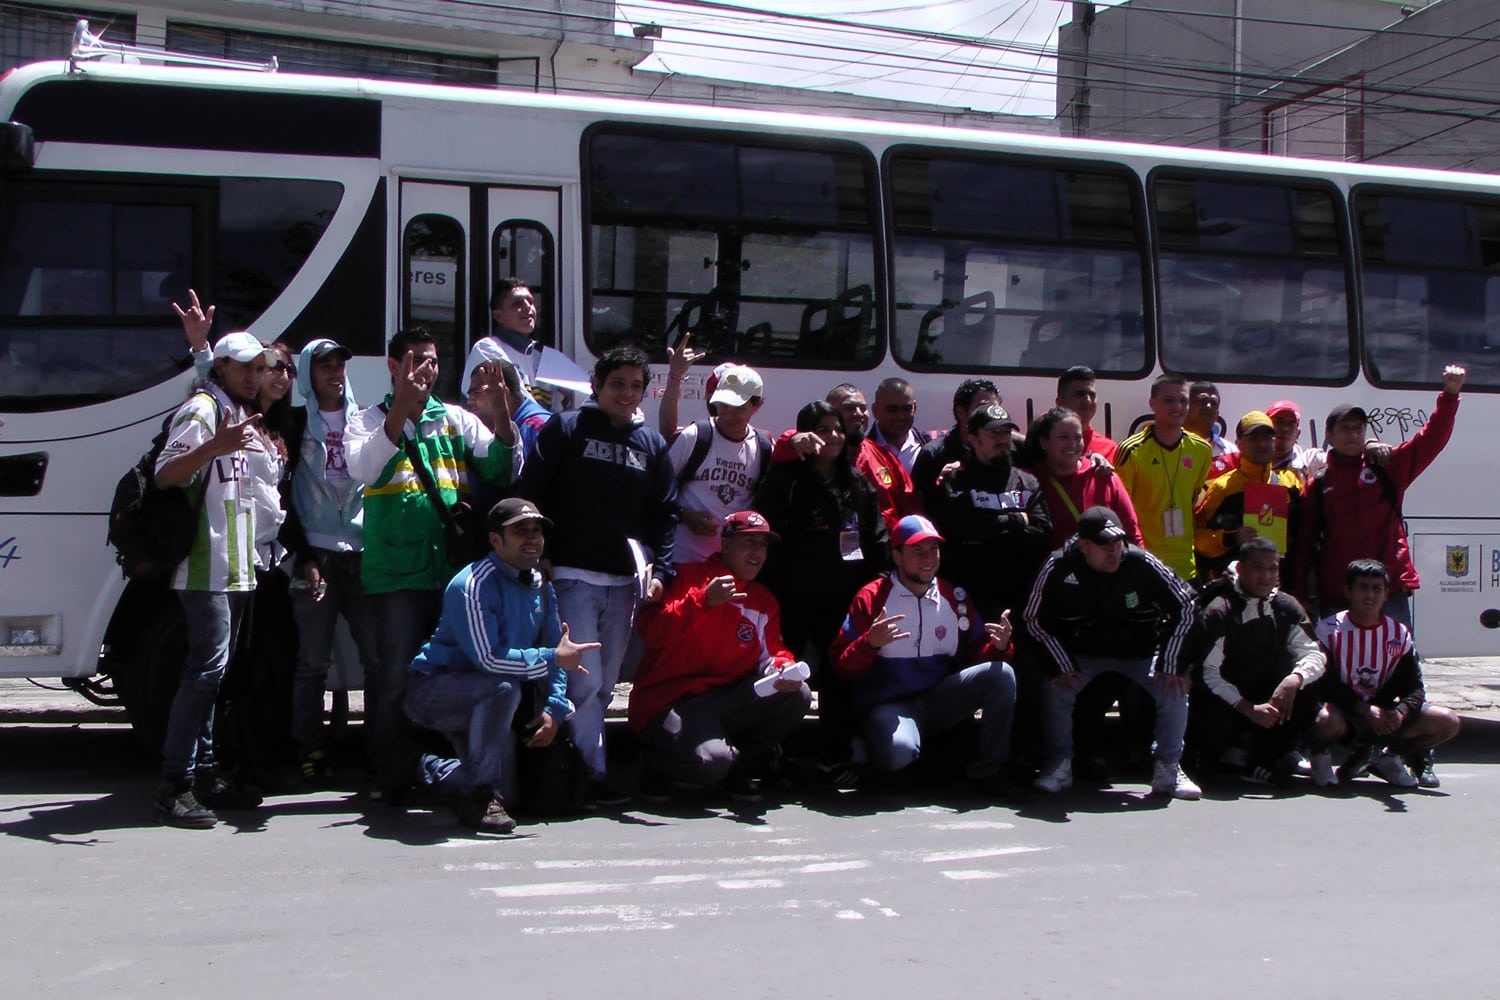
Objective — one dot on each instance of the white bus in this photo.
(818, 249)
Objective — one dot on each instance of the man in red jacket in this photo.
(1352, 509)
(696, 705)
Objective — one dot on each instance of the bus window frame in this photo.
(546, 334)
(1367, 365)
(1343, 220)
(794, 142)
(1142, 247)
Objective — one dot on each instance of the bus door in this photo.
(457, 240)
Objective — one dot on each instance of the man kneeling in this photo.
(905, 634)
(716, 690)
(1376, 700)
(499, 628)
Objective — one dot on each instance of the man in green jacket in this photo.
(405, 564)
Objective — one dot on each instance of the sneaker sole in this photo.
(183, 823)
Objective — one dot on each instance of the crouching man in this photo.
(1260, 653)
(716, 689)
(1102, 605)
(921, 661)
(499, 628)
(1376, 700)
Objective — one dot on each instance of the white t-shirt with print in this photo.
(723, 484)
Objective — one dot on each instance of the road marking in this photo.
(833, 866)
(971, 874)
(751, 883)
(980, 852)
(553, 889)
(974, 824)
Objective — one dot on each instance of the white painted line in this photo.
(599, 928)
(833, 866)
(553, 889)
(751, 883)
(679, 879)
(849, 915)
(981, 852)
(573, 864)
(975, 824)
(974, 874)
(485, 866)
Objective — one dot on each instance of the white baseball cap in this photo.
(242, 347)
(737, 386)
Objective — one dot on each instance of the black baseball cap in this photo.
(1100, 525)
(514, 510)
(1344, 411)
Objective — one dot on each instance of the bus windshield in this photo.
(89, 270)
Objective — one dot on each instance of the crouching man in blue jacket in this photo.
(499, 628)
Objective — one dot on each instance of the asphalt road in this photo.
(1247, 893)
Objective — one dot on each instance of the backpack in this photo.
(705, 440)
(152, 529)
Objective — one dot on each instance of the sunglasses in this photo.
(285, 366)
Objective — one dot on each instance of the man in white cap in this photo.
(205, 454)
(718, 463)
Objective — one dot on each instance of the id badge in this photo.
(849, 541)
(1171, 522)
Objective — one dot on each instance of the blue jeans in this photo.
(603, 615)
(404, 620)
(474, 709)
(893, 730)
(316, 622)
(1171, 710)
(213, 628)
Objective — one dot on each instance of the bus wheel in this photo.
(149, 682)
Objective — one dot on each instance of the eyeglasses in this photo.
(286, 367)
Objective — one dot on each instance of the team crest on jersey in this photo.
(725, 493)
(884, 475)
(1393, 647)
(1458, 560)
(745, 632)
(1132, 600)
(1187, 461)
(1367, 476)
(941, 632)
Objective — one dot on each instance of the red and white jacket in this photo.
(691, 648)
(946, 634)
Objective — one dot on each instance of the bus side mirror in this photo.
(17, 148)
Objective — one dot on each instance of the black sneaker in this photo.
(839, 775)
(603, 795)
(1358, 763)
(744, 787)
(656, 787)
(177, 806)
(1422, 765)
(999, 786)
(218, 792)
(484, 811)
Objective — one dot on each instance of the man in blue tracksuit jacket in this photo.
(499, 628)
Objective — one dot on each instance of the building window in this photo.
(34, 34)
(1328, 125)
(306, 55)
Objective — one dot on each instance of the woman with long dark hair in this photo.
(833, 541)
(1071, 481)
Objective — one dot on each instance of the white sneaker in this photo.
(1293, 762)
(1055, 778)
(1323, 774)
(1167, 778)
(1393, 769)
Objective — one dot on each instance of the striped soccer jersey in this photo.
(1364, 658)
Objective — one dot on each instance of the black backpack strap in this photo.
(705, 431)
(765, 445)
(424, 476)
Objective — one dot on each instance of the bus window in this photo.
(766, 252)
(268, 227)
(86, 284)
(432, 252)
(1430, 285)
(1010, 263)
(1253, 280)
(523, 249)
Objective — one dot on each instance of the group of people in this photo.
(498, 563)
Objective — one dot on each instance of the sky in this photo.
(1012, 72)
